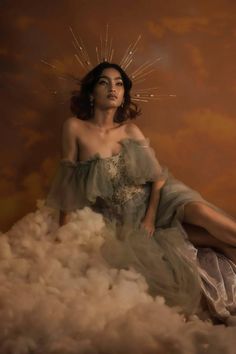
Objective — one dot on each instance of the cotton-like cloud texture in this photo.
(63, 298)
(194, 133)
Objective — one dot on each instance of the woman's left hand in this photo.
(149, 226)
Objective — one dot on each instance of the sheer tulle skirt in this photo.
(173, 267)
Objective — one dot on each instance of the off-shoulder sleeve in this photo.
(142, 163)
(66, 190)
(76, 185)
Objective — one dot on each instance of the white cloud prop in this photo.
(61, 297)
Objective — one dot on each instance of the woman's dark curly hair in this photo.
(80, 100)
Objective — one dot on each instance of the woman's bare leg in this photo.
(200, 237)
(218, 225)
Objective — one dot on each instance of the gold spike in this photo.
(129, 57)
(97, 53)
(62, 74)
(140, 68)
(85, 53)
(112, 53)
(143, 75)
(140, 71)
(130, 51)
(110, 50)
(106, 51)
(125, 55)
(78, 59)
(149, 97)
(51, 65)
(147, 89)
(106, 41)
(137, 82)
(138, 99)
(79, 46)
(102, 55)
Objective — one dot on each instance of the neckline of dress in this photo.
(97, 155)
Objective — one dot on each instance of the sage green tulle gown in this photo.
(119, 187)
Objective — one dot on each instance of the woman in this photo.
(157, 224)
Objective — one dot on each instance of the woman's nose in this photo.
(112, 86)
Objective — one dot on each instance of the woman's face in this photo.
(109, 90)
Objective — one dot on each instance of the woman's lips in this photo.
(112, 97)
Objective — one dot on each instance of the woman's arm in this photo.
(68, 151)
(148, 221)
(154, 200)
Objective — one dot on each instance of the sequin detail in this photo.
(123, 187)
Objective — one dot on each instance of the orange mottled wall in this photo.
(193, 134)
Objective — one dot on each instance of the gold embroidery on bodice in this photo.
(123, 187)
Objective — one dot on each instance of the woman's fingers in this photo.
(149, 229)
(151, 233)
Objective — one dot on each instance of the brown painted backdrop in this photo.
(193, 134)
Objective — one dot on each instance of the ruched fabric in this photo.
(79, 184)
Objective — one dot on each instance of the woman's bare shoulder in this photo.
(71, 122)
(133, 131)
(72, 126)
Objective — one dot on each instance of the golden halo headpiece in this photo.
(105, 52)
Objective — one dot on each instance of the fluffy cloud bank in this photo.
(62, 297)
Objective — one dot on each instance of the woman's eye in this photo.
(102, 82)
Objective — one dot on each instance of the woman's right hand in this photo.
(148, 225)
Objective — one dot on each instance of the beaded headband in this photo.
(105, 52)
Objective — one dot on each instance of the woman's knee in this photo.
(195, 212)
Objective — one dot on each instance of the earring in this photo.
(91, 101)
